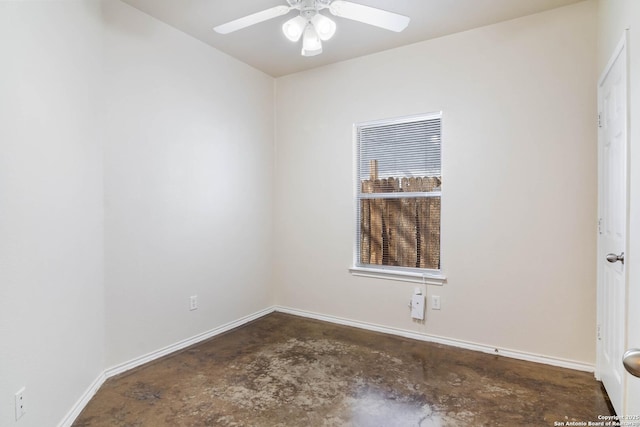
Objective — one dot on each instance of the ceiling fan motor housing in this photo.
(309, 5)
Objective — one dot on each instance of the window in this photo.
(398, 191)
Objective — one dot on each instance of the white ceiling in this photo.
(264, 47)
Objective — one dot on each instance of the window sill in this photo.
(438, 279)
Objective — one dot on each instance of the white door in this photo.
(612, 204)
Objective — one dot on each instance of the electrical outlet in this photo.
(435, 302)
(193, 302)
(21, 407)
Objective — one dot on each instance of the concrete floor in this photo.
(283, 370)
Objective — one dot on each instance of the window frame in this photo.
(397, 273)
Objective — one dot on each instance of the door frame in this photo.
(622, 51)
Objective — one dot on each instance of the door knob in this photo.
(631, 361)
(614, 258)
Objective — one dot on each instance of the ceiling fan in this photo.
(314, 27)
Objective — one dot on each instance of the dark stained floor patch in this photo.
(283, 370)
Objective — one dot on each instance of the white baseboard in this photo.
(134, 363)
(514, 354)
(73, 413)
(149, 357)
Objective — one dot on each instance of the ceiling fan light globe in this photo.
(315, 52)
(311, 41)
(294, 28)
(324, 26)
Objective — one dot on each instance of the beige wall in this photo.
(519, 164)
(614, 16)
(51, 207)
(188, 183)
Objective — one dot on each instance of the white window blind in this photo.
(398, 189)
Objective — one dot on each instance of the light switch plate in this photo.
(435, 302)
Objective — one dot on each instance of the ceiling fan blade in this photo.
(254, 18)
(369, 15)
